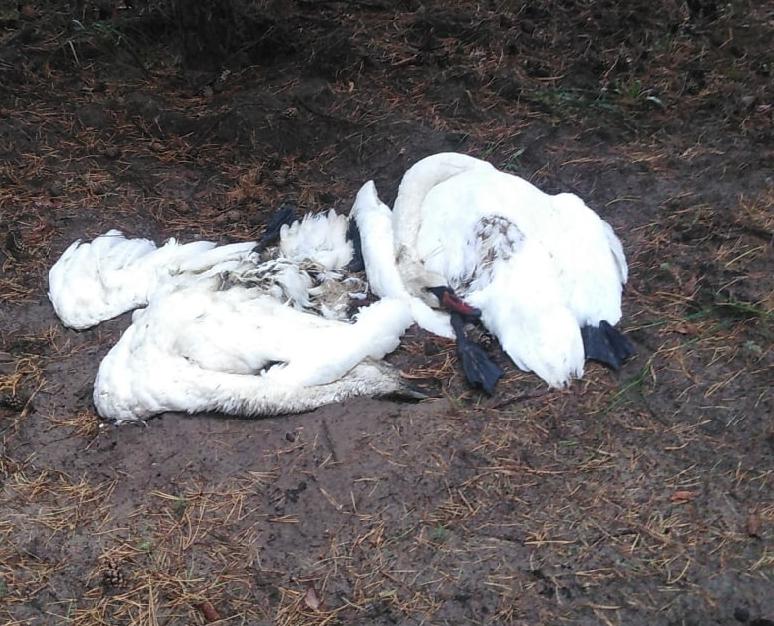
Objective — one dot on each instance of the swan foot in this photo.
(607, 345)
(405, 393)
(479, 369)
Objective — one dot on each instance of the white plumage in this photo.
(242, 353)
(540, 267)
(321, 235)
(374, 221)
(93, 282)
(225, 331)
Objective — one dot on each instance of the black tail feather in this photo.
(283, 215)
(607, 345)
(357, 264)
(480, 370)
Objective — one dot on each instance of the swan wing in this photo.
(320, 237)
(92, 282)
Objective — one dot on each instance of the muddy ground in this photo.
(638, 497)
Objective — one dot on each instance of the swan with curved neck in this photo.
(545, 270)
(375, 224)
(416, 184)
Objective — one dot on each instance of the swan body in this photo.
(244, 353)
(545, 271)
(504, 211)
(226, 330)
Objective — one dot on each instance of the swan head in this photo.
(431, 288)
(450, 301)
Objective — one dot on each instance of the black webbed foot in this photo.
(480, 370)
(607, 345)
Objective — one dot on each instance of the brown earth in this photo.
(643, 497)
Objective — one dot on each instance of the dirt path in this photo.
(639, 498)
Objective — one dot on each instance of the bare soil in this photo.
(638, 497)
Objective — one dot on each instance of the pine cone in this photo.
(14, 401)
(112, 576)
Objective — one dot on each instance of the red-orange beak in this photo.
(452, 302)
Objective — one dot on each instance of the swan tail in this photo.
(320, 237)
(607, 345)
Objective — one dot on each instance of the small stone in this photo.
(290, 436)
(28, 11)
(748, 101)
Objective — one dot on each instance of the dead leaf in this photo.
(754, 524)
(311, 599)
(209, 612)
(683, 496)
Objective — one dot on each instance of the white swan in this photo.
(545, 270)
(244, 353)
(96, 281)
(226, 331)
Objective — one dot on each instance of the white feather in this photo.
(93, 282)
(320, 237)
